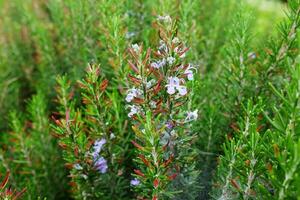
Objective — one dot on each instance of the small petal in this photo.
(135, 47)
(132, 93)
(182, 90)
(191, 116)
(169, 125)
(101, 165)
(98, 145)
(129, 98)
(112, 136)
(133, 110)
(171, 90)
(189, 72)
(190, 77)
(134, 182)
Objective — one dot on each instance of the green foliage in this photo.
(159, 116)
(82, 128)
(8, 193)
(247, 168)
(27, 157)
(284, 138)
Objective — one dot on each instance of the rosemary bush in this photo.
(149, 99)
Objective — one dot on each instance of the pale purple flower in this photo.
(174, 84)
(182, 90)
(101, 165)
(189, 72)
(133, 110)
(171, 89)
(191, 116)
(98, 144)
(135, 182)
(99, 162)
(129, 97)
(155, 65)
(132, 93)
(159, 64)
(169, 125)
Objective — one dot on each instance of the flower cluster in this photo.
(163, 74)
(91, 150)
(100, 163)
(158, 89)
(174, 84)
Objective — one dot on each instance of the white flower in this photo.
(191, 116)
(189, 72)
(112, 135)
(135, 47)
(132, 93)
(174, 84)
(166, 18)
(133, 110)
(171, 60)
